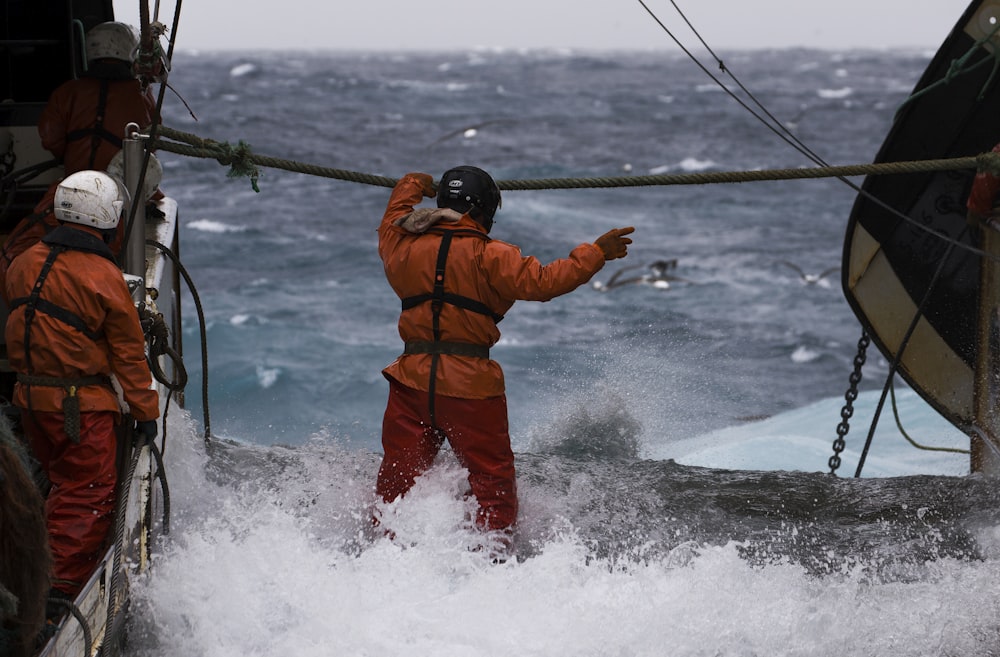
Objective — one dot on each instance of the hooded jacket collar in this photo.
(78, 239)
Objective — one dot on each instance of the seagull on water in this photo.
(657, 275)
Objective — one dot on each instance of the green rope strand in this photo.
(243, 162)
(961, 66)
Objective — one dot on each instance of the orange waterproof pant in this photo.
(80, 506)
(477, 431)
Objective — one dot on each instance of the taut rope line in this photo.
(242, 162)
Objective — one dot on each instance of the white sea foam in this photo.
(210, 226)
(267, 376)
(842, 92)
(259, 566)
(803, 354)
(688, 164)
(241, 70)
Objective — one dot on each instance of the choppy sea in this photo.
(672, 442)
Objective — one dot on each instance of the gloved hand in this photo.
(426, 184)
(613, 244)
(146, 428)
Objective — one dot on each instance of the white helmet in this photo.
(91, 198)
(112, 40)
(154, 173)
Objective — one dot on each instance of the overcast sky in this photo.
(577, 24)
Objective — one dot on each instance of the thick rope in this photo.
(243, 162)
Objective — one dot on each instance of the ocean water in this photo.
(671, 443)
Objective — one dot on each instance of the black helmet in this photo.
(470, 189)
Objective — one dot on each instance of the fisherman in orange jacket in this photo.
(83, 125)
(455, 284)
(84, 120)
(72, 326)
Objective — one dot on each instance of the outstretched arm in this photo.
(518, 277)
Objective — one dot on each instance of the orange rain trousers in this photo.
(80, 507)
(478, 434)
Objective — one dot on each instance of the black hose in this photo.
(201, 326)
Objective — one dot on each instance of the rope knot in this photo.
(240, 162)
(989, 163)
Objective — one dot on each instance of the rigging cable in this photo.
(151, 35)
(787, 136)
(779, 129)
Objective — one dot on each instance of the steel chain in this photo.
(850, 396)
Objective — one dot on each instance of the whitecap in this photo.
(209, 226)
(246, 319)
(267, 376)
(692, 164)
(240, 70)
(804, 355)
(688, 164)
(843, 92)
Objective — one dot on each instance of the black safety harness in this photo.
(98, 132)
(438, 297)
(60, 240)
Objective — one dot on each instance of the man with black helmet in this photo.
(455, 284)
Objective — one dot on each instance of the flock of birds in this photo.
(659, 274)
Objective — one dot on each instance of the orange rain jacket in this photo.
(985, 190)
(92, 287)
(73, 106)
(490, 271)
